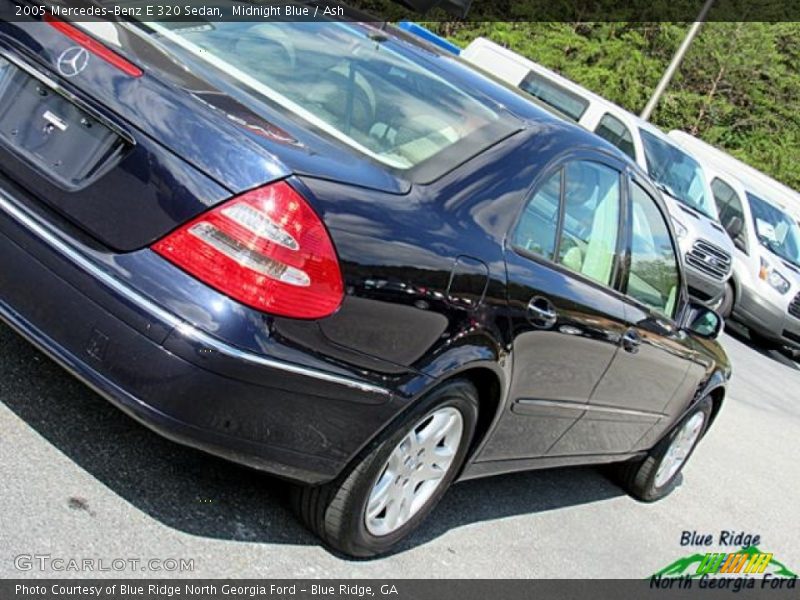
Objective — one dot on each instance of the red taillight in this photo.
(93, 46)
(265, 248)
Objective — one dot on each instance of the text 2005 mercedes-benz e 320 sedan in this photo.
(343, 258)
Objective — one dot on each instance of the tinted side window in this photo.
(552, 94)
(729, 205)
(536, 230)
(653, 278)
(614, 131)
(588, 240)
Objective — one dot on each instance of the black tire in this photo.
(336, 511)
(725, 307)
(763, 342)
(638, 478)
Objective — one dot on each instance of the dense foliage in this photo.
(738, 88)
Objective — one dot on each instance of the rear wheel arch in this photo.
(489, 382)
(717, 396)
(487, 379)
(490, 389)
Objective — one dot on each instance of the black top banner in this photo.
(413, 10)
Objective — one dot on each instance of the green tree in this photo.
(738, 87)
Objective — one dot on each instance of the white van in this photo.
(785, 196)
(764, 291)
(706, 248)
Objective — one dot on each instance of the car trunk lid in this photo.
(122, 157)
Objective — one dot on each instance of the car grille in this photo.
(794, 307)
(709, 259)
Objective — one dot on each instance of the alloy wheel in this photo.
(679, 449)
(414, 471)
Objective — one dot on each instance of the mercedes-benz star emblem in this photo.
(72, 61)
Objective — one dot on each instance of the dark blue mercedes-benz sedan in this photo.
(330, 252)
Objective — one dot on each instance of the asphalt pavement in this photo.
(80, 481)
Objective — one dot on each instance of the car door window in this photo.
(729, 205)
(588, 237)
(584, 198)
(653, 278)
(536, 230)
(614, 131)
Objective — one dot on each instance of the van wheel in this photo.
(725, 307)
(397, 481)
(655, 476)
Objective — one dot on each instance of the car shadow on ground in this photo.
(785, 356)
(201, 495)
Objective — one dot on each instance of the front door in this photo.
(647, 379)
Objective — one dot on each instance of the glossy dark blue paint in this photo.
(433, 289)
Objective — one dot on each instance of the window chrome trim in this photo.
(60, 245)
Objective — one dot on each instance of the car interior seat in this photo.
(601, 249)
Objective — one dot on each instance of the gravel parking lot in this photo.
(81, 480)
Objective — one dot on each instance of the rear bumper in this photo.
(291, 419)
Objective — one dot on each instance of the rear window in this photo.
(342, 79)
(569, 104)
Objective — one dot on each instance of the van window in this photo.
(677, 173)
(571, 105)
(611, 129)
(775, 229)
(729, 205)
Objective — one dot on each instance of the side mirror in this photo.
(739, 243)
(734, 227)
(703, 322)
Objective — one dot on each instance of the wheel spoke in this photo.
(429, 472)
(380, 496)
(406, 505)
(444, 454)
(392, 514)
(433, 433)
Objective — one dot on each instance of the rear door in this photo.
(647, 380)
(567, 321)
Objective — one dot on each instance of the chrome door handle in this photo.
(631, 341)
(541, 312)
